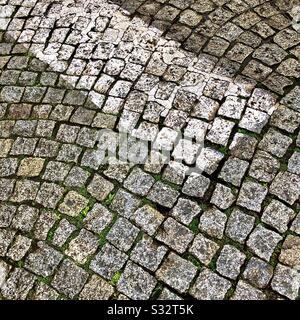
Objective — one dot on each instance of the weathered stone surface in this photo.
(258, 272)
(136, 283)
(286, 281)
(210, 286)
(263, 242)
(176, 272)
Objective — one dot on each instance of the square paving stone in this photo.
(285, 119)
(122, 234)
(56, 171)
(258, 272)
(148, 253)
(175, 235)
(18, 285)
(44, 260)
(252, 195)
(25, 218)
(196, 185)
(49, 195)
(292, 99)
(206, 108)
(254, 120)
(23, 146)
(286, 281)
(77, 177)
(176, 272)
(263, 242)
(47, 148)
(25, 190)
(136, 283)
(262, 100)
(25, 128)
(223, 197)
(100, 188)
(264, 167)
(289, 254)
(125, 203)
(286, 186)
(98, 218)
(139, 182)
(220, 131)
(11, 94)
(117, 170)
(44, 223)
(163, 194)
(69, 153)
(7, 213)
(83, 246)
(67, 133)
(8, 167)
(148, 219)
(239, 225)
(108, 261)
(278, 215)
(87, 137)
(230, 261)
(234, 170)
(275, 142)
(73, 204)
(19, 248)
(232, 108)
(31, 167)
(63, 232)
(209, 160)
(96, 289)
(213, 222)
(203, 249)
(243, 146)
(185, 211)
(45, 292)
(5, 145)
(245, 291)
(210, 286)
(69, 279)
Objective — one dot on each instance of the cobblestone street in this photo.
(211, 211)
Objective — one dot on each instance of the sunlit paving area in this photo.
(149, 150)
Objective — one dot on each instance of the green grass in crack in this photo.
(84, 213)
(110, 198)
(193, 226)
(116, 277)
(224, 150)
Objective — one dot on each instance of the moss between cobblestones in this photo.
(274, 258)
(193, 226)
(109, 199)
(46, 280)
(157, 291)
(115, 278)
(229, 293)
(84, 213)
(193, 260)
(103, 234)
